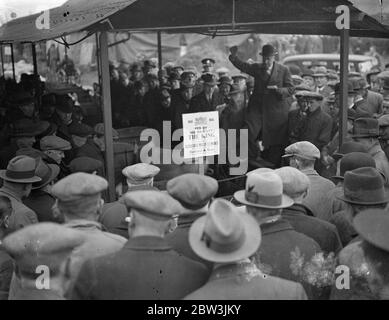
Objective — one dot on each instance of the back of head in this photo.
(295, 183)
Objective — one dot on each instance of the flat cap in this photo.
(85, 164)
(192, 190)
(78, 185)
(294, 181)
(309, 95)
(140, 173)
(54, 143)
(46, 244)
(154, 204)
(80, 129)
(302, 149)
(100, 130)
(383, 121)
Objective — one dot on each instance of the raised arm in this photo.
(239, 64)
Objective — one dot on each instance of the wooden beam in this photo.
(344, 51)
(107, 112)
(33, 50)
(13, 61)
(2, 59)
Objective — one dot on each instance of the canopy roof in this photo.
(216, 17)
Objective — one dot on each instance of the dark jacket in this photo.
(145, 269)
(315, 127)
(272, 104)
(179, 240)
(91, 150)
(179, 107)
(6, 270)
(200, 103)
(323, 232)
(237, 282)
(281, 250)
(345, 227)
(41, 203)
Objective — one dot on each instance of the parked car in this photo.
(357, 63)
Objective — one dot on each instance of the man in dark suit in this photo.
(147, 268)
(194, 192)
(208, 99)
(6, 263)
(267, 118)
(228, 238)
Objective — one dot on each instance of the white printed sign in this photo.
(201, 134)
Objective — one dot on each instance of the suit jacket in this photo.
(147, 268)
(316, 128)
(22, 215)
(200, 103)
(6, 270)
(237, 282)
(372, 104)
(179, 240)
(42, 202)
(317, 198)
(323, 232)
(272, 104)
(179, 107)
(281, 249)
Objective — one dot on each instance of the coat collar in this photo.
(276, 226)
(310, 172)
(147, 243)
(84, 224)
(234, 270)
(298, 209)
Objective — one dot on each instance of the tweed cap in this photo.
(46, 244)
(294, 181)
(78, 185)
(54, 143)
(85, 164)
(153, 204)
(302, 149)
(140, 173)
(309, 95)
(192, 190)
(80, 129)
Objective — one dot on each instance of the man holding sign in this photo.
(267, 118)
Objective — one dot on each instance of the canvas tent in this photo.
(217, 17)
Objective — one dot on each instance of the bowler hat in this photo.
(348, 147)
(364, 186)
(225, 234)
(263, 190)
(47, 172)
(372, 226)
(365, 128)
(209, 79)
(355, 160)
(20, 169)
(268, 50)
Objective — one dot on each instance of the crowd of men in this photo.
(308, 206)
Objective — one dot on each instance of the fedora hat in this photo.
(355, 160)
(268, 50)
(225, 234)
(364, 186)
(348, 147)
(47, 172)
(20, 169)
(263, 190)
(365, 128)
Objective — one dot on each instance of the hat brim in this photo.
(269, 55)
(343, 198)
(285, 203)
(248, 248)
(298, 155)
(30, 180)
(54, 173)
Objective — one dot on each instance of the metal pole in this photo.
(2, 59)
(344, 51)
(159, 50)
(33, 49)
(106, 90)
(98, 60)
(13, 61)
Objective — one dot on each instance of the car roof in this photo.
(326, 56)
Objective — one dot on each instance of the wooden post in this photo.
(344, 51)
(33, 49)
(159, 51)
(13, 61)
(107, 112)
(2, 59)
